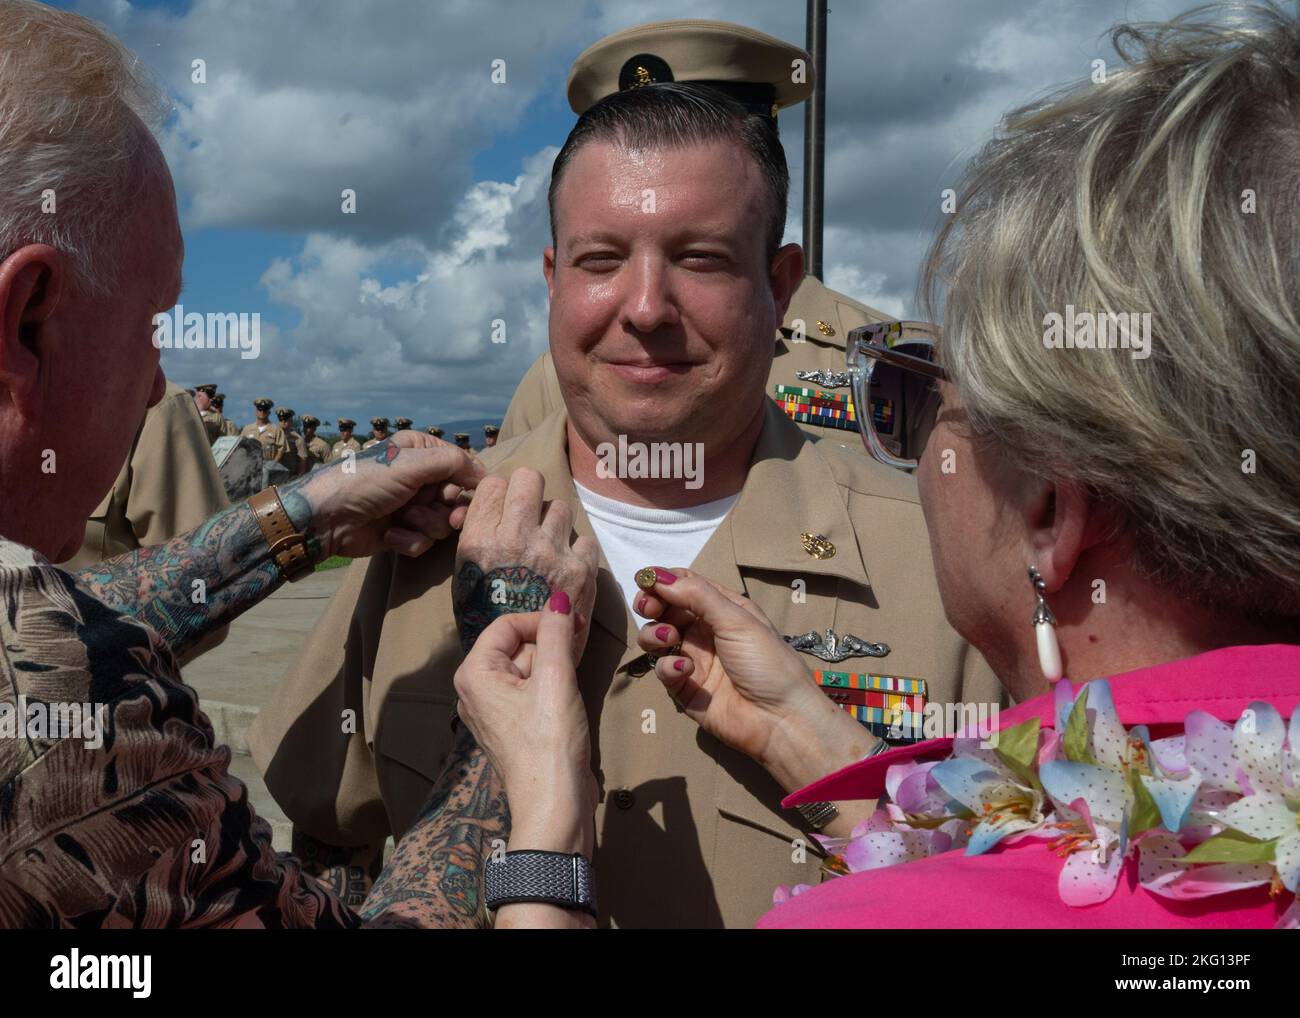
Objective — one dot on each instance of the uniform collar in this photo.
(1223, 683)
(760, 532)
(791, 490)
(808, 304)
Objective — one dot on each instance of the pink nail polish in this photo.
(664, 576)
(679, 664)
(661, 634)
(559, 603)
(638, 605)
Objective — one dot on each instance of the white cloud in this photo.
(411, 321)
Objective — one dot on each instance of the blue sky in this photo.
(389, 311)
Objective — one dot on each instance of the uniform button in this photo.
(624, 799)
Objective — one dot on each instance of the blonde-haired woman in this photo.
(1138, 499)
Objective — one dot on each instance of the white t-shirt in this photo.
(633, 536)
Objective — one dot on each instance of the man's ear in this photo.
(31, 283)
(785, 275)
(1062, 523)
(548, 270)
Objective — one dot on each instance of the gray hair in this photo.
(75, 107)
(1135, 195)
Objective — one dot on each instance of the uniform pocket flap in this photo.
(747, 793)
(415, 730)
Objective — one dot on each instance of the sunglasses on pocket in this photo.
(895, 381)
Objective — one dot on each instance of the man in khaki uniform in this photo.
(402, 424)
(490, 433)
(346, 443)
(228, 427)
(295, 460)
(169, 484)
(213, 421)
(820, 536)
(435, 431)
(378, 432)
(318, 450)
(461, 439)
(274, 443)
(743, 63)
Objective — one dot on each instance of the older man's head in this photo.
(667, 276)
(91, 251)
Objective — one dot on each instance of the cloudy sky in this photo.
(390, 310)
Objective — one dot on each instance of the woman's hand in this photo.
(518, 692)
(742, 683)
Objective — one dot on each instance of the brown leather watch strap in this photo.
(288, 547)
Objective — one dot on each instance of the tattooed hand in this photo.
(399, 495)
(514, 552)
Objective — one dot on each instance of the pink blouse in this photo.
(1016, 885)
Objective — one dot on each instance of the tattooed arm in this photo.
(349, 872)
(435, 877)
(199, 581)
(397, 496)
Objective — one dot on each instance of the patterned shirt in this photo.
(116, 809)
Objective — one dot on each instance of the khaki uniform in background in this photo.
(229, 427)
(168, 485)
(318, 452)
(377, 424)
(826, 317)
(295, 460)
(213, 423)
(342, 448)
(689, 833)
(272, 437)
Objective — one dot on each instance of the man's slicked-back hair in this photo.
(678, 115)
(74, 108)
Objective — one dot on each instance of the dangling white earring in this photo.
(1044, 623)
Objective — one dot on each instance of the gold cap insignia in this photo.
(817, 546)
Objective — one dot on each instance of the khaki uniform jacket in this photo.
(376, 441)
(689, 833)
(168, 485)
(341, 448)
(229, 427)
(318, 452)
(295, 460)
(822, 317)
(272, 437)
(213, 423)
